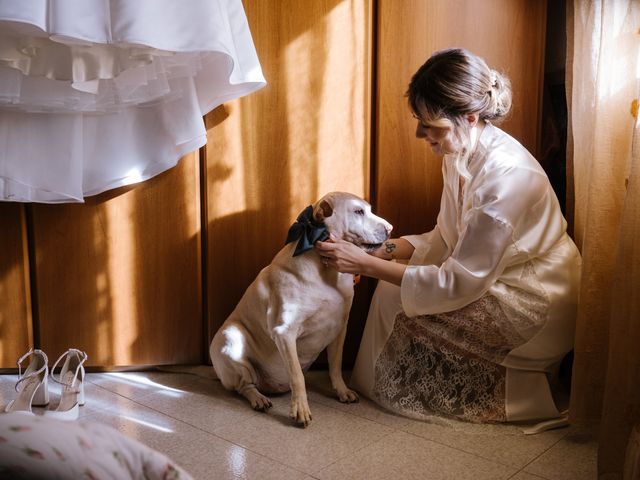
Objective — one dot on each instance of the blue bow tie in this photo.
(307, 231)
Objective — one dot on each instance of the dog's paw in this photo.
(258, 401)
(300, 413)
(262, 404)
(348, 396)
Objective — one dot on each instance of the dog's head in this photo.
(349, 218)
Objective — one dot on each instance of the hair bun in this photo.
(494, 78)
(500, 95)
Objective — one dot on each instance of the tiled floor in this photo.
(213, 433)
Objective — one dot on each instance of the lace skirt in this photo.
(446, 364)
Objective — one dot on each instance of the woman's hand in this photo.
(344, 256)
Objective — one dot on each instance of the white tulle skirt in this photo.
(96, 94)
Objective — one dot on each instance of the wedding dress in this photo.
(96, 94)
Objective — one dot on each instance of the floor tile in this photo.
(331, 436)
(143, 424)
(7, 389)
(320, 390)
(138, 384)
(498, 442)
(527, 476)
(572, 458)
(206, 457)
(402, 455)
(201, 454)
(205, 404)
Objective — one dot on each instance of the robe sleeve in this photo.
(430, 248)
(499, 213)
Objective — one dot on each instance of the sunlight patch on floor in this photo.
(141, 381)
(147, 424)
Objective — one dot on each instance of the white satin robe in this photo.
(503, 237)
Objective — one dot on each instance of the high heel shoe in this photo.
(32, 386)
(71, 378)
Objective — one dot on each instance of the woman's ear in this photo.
(472, 119)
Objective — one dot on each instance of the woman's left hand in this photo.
(344, 256)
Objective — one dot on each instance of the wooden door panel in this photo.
(119, 276)
(508, 34)
(16, 333)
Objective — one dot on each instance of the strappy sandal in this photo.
(71, 378)
(32, 386)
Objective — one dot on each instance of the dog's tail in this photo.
(204, 371)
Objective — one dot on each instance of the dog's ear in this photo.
(323, 210)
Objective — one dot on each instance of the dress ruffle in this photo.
(99, 94)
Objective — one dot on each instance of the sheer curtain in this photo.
(603, 72)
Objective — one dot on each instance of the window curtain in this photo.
(603, 69)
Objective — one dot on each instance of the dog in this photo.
(295, 308)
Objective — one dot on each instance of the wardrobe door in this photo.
(271, 154)
(508, 34)
(119, 276)
(16, 334)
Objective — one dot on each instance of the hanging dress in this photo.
(487, 304)
(96, 94)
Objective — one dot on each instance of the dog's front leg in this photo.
(334, 355)
(286, 343)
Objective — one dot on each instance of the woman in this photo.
(485, 306)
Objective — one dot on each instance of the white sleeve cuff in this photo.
(409, 288)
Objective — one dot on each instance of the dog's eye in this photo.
(359, 212)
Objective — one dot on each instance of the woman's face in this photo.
(441, 139)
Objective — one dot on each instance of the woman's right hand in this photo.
(345, 257)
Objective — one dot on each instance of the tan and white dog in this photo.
(294, 309)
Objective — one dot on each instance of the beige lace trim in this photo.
(448, 363)
(526, 309)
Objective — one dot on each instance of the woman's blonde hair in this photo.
(454, 83)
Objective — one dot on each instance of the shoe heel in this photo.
(81, 393)
(71, 378)
(41, 396)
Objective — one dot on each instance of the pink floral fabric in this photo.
(36, 447)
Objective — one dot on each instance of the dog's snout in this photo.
(384, 231)
(386, 228)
